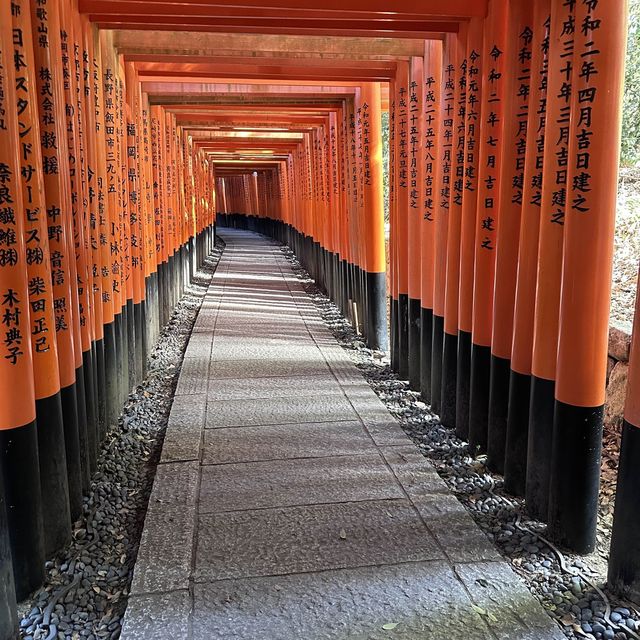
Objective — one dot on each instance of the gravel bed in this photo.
(571, 588)
(87, 583)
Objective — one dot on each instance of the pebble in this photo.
(471, 482)
(113, 511)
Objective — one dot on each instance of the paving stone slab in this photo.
(266, 321)
(516, 614)
(199, 345)
(240, 413)
(281, 483)
(184, 430)
(363, 401)
(166, 549)
(281, 442)
(258, 299)
(359, 391)
(381, 425)
(286, 540)
(206, 325)
(162, 615)
(193, 376)
(238, 313)
(345, 372)
(262, 330)
(176, 483)
(273, 387)
(244, 351)
(266, 368)
(446, 518)
(273, 341)
(424, 599)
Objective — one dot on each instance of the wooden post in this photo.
(475, 63)
(487, 220)
(444, 184)
(452, 257)
(517, 89)
(374, 266)
(547, 291)
(21, 501)
(592, 181)
(50, 430)
(415, 246)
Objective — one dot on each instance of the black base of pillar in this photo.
(498, 409)
(377, 334)
(449, 371)
(541, 408)
(162, 298)
(395, 343)
(54, 484)
(21, 468)
(94, 447)
(123, 355)
(152, 310)
(96, 402)
(463, 384)
(344, 280)
(111, 372)
(426, 345)
(575, 476)
(515, 457)
(8, 616)
(403, 336)
(479, 398)
(414, 344)
(87, 432)
(359, 298)
(140, 326)
(69, 399)
(132, 339)
(437, 338)
(81, 404)
(624, 560)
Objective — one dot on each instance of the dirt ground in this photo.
(627, 249)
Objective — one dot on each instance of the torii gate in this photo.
(151, 117)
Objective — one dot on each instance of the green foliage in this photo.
(630, 153)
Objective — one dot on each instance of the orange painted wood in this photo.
(16, 359)
(524, 306)
(492, 117)
(592, 179)
(517, 90)
(36, 237)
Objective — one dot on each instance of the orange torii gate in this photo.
(157, 117)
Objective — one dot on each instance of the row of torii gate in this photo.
(127, 125)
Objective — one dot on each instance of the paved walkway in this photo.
(289, 504)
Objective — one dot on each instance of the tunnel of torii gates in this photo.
(128, 127)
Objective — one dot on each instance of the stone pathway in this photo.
(289, 505)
